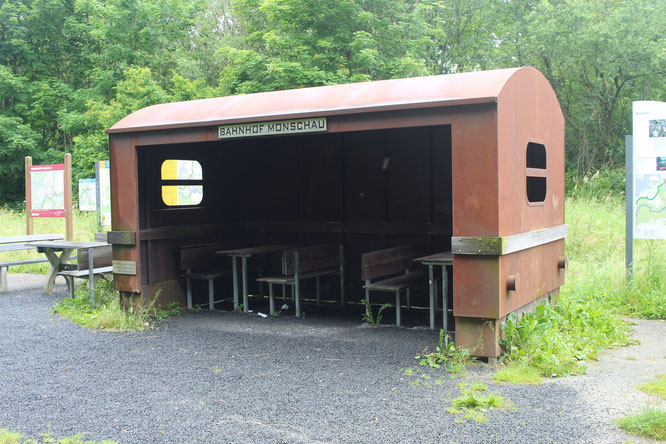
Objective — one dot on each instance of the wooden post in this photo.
(69, 217)
(28, 196)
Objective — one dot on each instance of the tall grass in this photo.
(12, 223)
(586, 318)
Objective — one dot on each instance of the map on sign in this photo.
(87, 195)
(103, 173)
(47, 190)
(181, 194)
(649, 144)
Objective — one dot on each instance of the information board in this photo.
(87, 195)
(649, 167)
(47, 190)
(103, 174)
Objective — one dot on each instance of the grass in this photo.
(446, 354)
(559, 337)
(107, 314)
(649, 423)
(518, 373)
(11, 437)
(474, 403)
(657, 388)
(368, 317)
(12, 223)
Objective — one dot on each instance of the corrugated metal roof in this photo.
(351, 98)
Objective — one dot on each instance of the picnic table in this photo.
(244, 254)
(17, 243)
(442, 259)
(58, 253)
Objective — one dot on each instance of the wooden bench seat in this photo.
(200, 262)
(307, 263)
(398, 283)
(392, 270)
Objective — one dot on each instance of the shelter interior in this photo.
(366, 190)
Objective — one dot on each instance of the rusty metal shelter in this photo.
(470, 162)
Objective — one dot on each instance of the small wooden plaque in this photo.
(124, 267)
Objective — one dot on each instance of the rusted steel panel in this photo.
(538, 271)
(528, 111)
(475, 179)
(476, 286)
(125, 205)
(353, 98)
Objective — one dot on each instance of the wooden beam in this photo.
(498, 246)
(121, 237)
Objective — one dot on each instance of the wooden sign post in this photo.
(51, 200)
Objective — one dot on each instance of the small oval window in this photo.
(181, 191)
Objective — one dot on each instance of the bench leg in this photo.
(297, 299)
(3, 279)
(431, 294)
(342, 277)
(211, 294)
(70, 284)
(397, 308)
(409, 300)
(245, 303)
(271, 300)
(445, 299)
(318, 290)
(188, 284)
(368, 308)
(284, 293)
(234, 270)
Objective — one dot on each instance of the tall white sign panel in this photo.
(649, 166)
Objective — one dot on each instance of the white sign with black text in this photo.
(255, 129)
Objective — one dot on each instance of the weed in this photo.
(11, 437)
(108, 313)
(408, 371)
(657, 387)
(556, 339)
(650, 423)
(518, 373)
(368, 317)
(447, 354)
(217, 370)
(474, 405)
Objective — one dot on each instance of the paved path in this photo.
(232, 377)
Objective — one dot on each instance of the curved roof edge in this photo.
(351, 98)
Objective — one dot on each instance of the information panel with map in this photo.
(87, 195)
(649, 147)
(47, 190)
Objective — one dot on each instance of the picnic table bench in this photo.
(98, 266)
(200, 262)
(307, 263)
(391, 270)
(444, 260)
(17, 243)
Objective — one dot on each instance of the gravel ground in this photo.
(229, 377)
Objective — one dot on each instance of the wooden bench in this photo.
(307, 263)
(391, 271)
(17, 243)
(101, 266)
(201, 262)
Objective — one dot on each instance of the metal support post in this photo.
(91, 277)
(297, 286)
(397, 308)
(211, 294)
(244, 265)
(234, 270)
(445, 299)
(431, 293)
(629, 230)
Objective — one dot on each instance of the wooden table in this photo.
(443, 259)
(244, 254)
(56, 261)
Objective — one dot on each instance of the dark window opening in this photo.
(536, 172)
(536, 189)
(536, 155)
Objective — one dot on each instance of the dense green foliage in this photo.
(69, 69)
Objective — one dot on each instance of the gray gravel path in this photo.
(229, 377)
